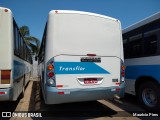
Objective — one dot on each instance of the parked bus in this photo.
(141, 43)
(15, 61)
(81, 57)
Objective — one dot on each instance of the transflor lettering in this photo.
(77, 68)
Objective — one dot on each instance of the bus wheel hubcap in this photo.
(149, 97)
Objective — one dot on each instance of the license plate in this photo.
(91, 59)
(90, 81)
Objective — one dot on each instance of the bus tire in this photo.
(149, 97)
(23, 89)
(22, 93)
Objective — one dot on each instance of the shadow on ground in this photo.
(85, 110)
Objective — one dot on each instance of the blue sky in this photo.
(33, 13)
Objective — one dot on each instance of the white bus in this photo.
(81, 57)
(141, 43)
(15, 61)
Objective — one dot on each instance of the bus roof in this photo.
(81, 12)
(142, 22)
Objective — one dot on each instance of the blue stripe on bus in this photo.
(133, 72)
(78, 68)
(19, 69)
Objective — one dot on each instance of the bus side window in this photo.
(151, 45)
(16, 40)
(136, 46)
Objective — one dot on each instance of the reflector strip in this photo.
(59, 86)
(60, 93)
(2, 93)
(117, 83)
(118, 89)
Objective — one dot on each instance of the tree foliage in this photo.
(32, 42)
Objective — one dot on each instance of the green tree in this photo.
(32, 42)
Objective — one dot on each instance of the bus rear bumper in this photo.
(5, 94)
(58, 96)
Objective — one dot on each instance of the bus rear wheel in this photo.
(22, 93)
(23, 89)
(148, 94)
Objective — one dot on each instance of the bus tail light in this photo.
(122, 71)
(51, 75)
(5, 76)
(51, 82)
(50, 67)
(123, 67)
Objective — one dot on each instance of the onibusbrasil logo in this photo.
(21, 114)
